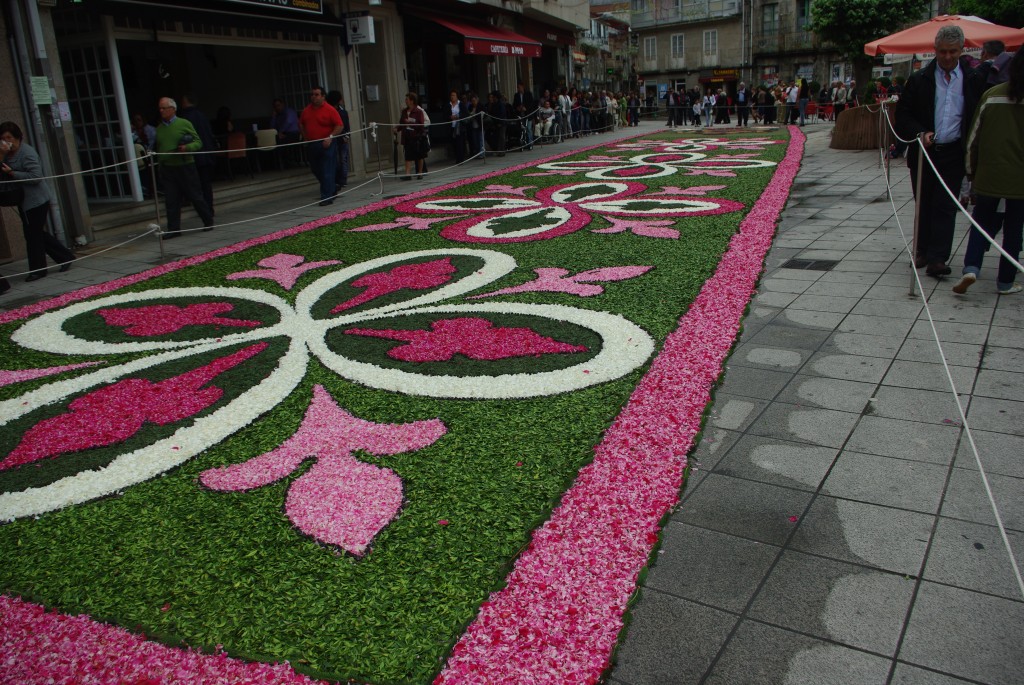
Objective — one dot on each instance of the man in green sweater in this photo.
(176, 140)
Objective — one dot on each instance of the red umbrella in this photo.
(921, 38)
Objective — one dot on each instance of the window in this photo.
(803, 14)
(678, 46)
(651, 48)
(770, 19)
(639, 5)
(711, 43)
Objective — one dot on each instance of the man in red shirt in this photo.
(321, 124)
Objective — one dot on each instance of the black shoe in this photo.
(35, 276)
(324, 203)
(167, 235)
(419, 178)
(4, 286)
(65, 266)
(938, 269)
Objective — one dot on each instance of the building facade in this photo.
(82, 68)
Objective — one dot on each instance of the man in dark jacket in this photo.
(205, 160)
(938, 105)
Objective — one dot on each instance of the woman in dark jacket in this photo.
(21, 163)
(412, 129)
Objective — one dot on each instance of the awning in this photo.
(226, 13)
(491, 40)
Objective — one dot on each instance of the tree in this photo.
(1005, 12)
(849, 24)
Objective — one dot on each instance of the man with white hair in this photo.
(937, 106)
(176, 140)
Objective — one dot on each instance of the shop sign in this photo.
(360, 28)
(725, 74)
(313, 6)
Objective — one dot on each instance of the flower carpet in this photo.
(429, 440)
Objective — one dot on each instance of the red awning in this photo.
(491, 40)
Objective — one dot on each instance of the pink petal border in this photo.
(559, 615)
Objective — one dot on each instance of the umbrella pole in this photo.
(917, 213)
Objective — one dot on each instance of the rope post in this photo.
(156, 205)
(917, 214)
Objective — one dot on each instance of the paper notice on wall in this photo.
(41, 91)
(65, 111)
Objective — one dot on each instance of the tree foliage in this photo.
(1005, 12)
(849, 24)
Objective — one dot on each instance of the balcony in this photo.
(668, 13)
(597, 42)
(785, 41)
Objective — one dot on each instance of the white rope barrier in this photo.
(952, 384)
(151, 230)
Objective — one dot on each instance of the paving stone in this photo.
(905, 439)
(966, 634)
(710, 567)
(834, 289)
(860, 344)
(835, 600)
(887, 481)
(788, 337)
(714, 443)
(918, 405)
(1003, 335)
(966, 498)
(796, 274)
(960, 313)
(1001, 416)
(734, 413)
(783, 285)
(882, 537)
(769, 460)
(950, 332)
(958, 354)
(747, 381)
(1000, 384)
(773, 299)
(912, 675)
(999, 453)
(1004, 358)
(757, 511)
(798, 424)
(827, 393)
(923, 376)
(847, 367)
(974, 557)
(875, 325)
(764, 357)
(893, 308)
(824, 303)
(670, 641)
(811, 319)
(764, 655)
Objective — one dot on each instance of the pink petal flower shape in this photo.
(472, 337)
(161, 319)
(8, 377)
(648, 229)
(421, 276)
(340, 501)
(555, 280)
(411, 222)
(116, 412)
(283, 268)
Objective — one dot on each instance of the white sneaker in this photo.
(965, 282)
(1015, 288)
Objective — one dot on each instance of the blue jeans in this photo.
(324, 164)
(1012, 224)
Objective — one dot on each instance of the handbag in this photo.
(11, 194)
(423, 143)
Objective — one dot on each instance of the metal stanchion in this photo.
(156, 205)
(917, 213)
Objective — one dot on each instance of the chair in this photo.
(811, 112)
(826, 113)
(266, 145)
(237, 150)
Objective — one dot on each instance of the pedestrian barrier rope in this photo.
(908, 248)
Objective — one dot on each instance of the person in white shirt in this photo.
(545, 117)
